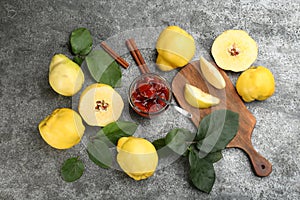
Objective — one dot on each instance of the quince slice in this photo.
(100, 105)
(199, 99)
(211, 74)
(234, 50)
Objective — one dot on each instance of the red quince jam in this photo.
(148, 94)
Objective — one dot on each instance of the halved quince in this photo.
(199, 99)
(234, 50)
(100, 105)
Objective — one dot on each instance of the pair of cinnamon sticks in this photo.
(135, 53)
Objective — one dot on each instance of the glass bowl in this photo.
(149, 95)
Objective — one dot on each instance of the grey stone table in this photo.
(32, 31)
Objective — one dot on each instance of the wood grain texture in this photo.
(229, 100)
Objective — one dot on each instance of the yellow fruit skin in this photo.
(65, 76)
(175, 48)
(121, 141)
(62, 129)
(87, 104)
(247, 47)
(256, 83)
(137, 157)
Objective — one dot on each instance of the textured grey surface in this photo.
(31, 32)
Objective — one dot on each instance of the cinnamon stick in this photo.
(115, 56)
(137, 56)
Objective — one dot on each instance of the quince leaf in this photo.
(179, 140)
(81, 41)
(72, 169)
(163, 151)
(112, 132)
(103, 68)
(159, 143)
(99, 153)
(202, 173)
(78, 60)
(213, 157)
(216, 130)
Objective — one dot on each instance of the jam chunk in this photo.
(149, 95)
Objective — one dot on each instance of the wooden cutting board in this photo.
(191, 74)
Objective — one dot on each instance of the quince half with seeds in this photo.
(100, 105)
(234, 50)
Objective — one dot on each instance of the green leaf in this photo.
(179, 140)
(214, 157)
(160, 143)
(202, 128)
(81, 41)
(72, 169)
(202, 173)
(210, 157)
(101, 136)
(219, 129)
(115, 130)
(163, 151)
(112, 75)
(103, 68)
(78, 60)
(99, 153)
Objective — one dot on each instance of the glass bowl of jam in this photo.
(149, 95)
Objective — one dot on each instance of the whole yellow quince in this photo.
(65, 76)
(256, 83)
(62, 129)
(175, 48)
(137, 157)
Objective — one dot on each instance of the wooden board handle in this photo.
(262, 167)
(192, 74)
